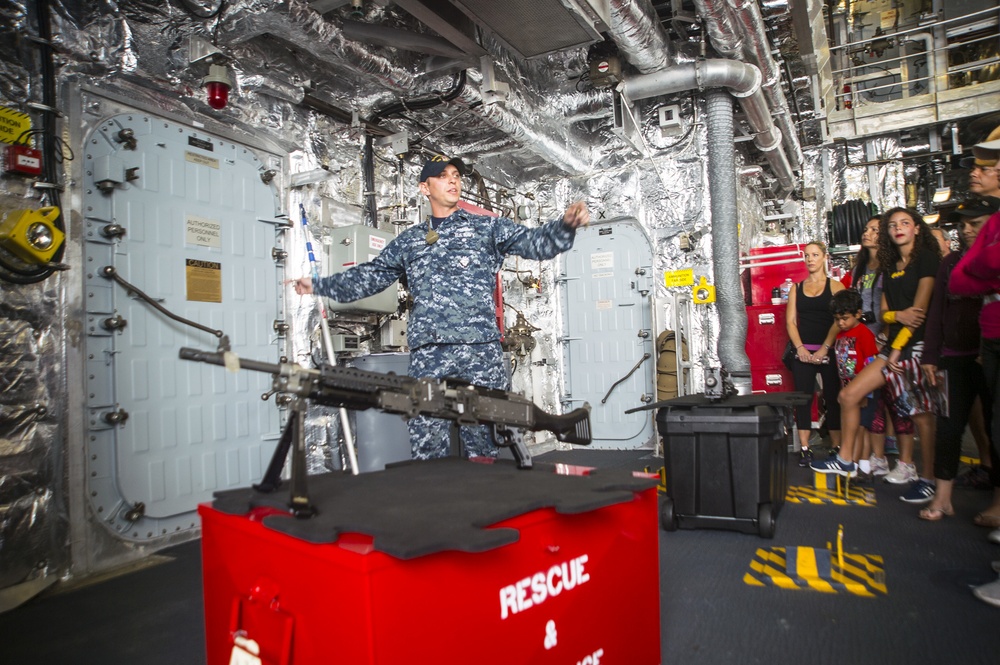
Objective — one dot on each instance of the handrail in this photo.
(947, 47)
(920, 28)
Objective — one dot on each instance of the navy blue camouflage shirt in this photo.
(452, 280)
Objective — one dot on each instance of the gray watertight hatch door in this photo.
(186, 218)
(607, 338)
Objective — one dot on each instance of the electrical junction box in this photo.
(605, 72)
(669, 117)
(353, 245)
(345, 343)
(393, 334)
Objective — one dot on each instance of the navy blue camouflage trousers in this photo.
(481, 364)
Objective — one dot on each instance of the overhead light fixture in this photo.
(942, 194)
(932, 218)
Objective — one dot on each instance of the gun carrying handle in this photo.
(572, 427)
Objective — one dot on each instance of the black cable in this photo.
(61, 156)
(47, 138)
(421, 102)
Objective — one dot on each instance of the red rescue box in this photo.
(575, 578)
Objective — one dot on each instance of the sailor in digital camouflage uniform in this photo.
(450, 267)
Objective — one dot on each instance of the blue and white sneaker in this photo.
(919, 492)
(835, 465)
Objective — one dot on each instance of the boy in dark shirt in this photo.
(853, 348)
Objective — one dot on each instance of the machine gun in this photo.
(459, 401)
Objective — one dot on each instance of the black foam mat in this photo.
(416, 509)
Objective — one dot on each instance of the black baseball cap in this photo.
(978, 207)
(436, 164)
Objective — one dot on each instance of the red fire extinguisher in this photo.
(847, 95)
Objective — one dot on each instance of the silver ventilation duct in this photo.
(297, 23)
(721, 29)
(640, 36)
(532, 128)
(725, 239)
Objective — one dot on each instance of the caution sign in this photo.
(204, 280)
(13, 124)
(679, 277)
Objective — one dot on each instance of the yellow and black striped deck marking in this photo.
(814, 569)
(830, 488)
(856, 496)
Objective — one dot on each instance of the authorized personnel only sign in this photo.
(203, 232)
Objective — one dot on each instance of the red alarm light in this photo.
(217, 85)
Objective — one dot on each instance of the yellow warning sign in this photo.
(204, 280)
(13, 124)
(679, 277)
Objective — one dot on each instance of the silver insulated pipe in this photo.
(736, 29)
(743, 81)
(639, 35)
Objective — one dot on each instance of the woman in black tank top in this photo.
(812, 331)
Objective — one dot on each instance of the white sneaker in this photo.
(994, 536)
(903, 473)
(989, 593)
(880, 465)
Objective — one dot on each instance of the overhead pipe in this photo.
(298, 23)
(721, 28)
(743, 82)
(640, 36)
(757, 51)
(301, 25)
(541, 136)
(725, 239)
(736, 30)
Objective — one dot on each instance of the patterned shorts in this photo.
(909, 389)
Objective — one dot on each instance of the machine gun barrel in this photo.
(460, 401)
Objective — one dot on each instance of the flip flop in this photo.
(987, 521)
(935, 514)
